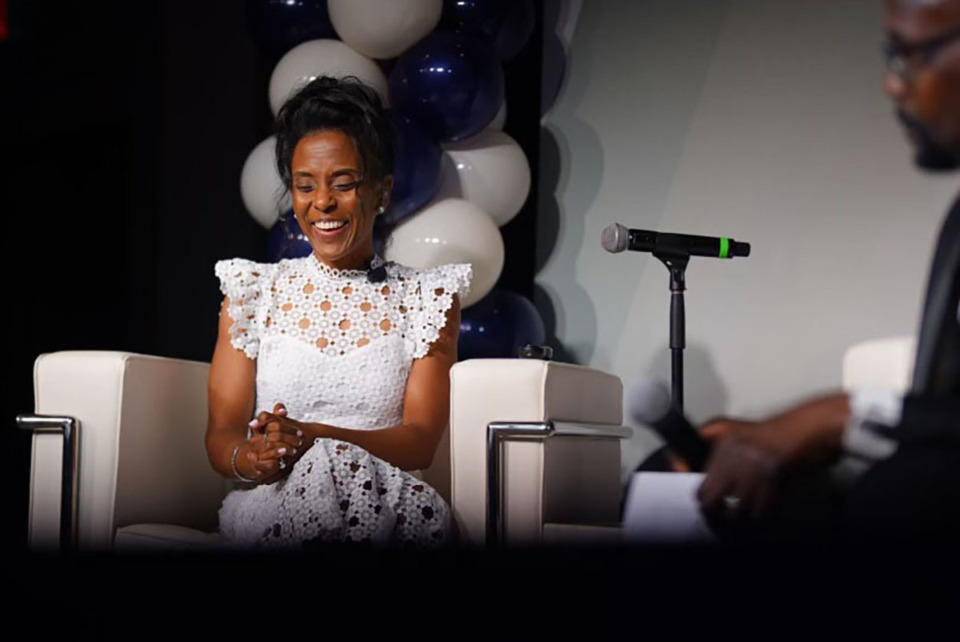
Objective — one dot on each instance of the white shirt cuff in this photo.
(871, 408)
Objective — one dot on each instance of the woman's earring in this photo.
(382, 209)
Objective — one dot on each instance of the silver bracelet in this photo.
(233, 465)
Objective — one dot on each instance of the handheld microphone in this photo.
(649, 403)
(617, 238)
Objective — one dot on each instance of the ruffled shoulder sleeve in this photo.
(437, 287)
(243, 282)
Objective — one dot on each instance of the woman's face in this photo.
(334, 205)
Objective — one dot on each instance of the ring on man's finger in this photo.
(732, 503)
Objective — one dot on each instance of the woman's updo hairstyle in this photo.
(346, 105)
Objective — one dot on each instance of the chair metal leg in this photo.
(497, 432)
(500, 431)
(69, 427)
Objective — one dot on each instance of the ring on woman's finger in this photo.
(282, 463)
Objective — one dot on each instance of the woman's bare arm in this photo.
(231, 390)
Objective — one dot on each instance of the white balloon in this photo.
(260, 184)
(316, 58)
(383, 28)
(490, 170)
(451, 231)
(501, 118)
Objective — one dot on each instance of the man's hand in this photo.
(744, 467)
(749, 459)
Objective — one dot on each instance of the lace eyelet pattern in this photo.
(337, 311)
(336, 348)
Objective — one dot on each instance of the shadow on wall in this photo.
(548, 302)
(543, 299)
(704, 394)
(560, 233)
(705, 397)
(561, 16)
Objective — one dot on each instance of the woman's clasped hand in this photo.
(277, 443)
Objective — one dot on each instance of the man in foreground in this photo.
(768, 478)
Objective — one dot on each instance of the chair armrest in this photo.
(141, 445)
(568, 478)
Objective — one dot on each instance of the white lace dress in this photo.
(335, 348)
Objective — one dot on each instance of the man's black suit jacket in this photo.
(931, 412)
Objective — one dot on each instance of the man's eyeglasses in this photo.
(904, 59)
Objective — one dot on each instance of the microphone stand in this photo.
(676, 260)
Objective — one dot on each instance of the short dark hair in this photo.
(349, 106)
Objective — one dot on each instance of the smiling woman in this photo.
(333, 206)
(330, 378)
(338, 127)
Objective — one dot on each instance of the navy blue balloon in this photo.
(450, 84)
(498, 325)
(416, 172)
(286, 240)
(277, 26)
(506, 24)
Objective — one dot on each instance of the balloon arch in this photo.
(458, 177)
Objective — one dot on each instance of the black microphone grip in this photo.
(667, 243)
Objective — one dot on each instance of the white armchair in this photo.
(885, 363)
(118, 461)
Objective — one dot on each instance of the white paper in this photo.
(662, 508)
